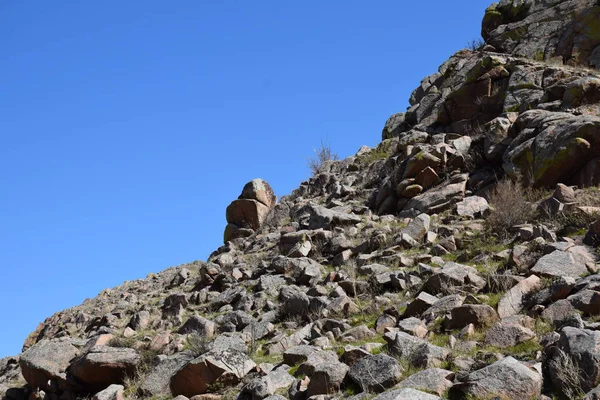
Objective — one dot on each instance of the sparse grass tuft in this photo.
(510, 206)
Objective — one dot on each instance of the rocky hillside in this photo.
(458, 259)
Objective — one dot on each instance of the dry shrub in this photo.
(322, 155)
(510, 206)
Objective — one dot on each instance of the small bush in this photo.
(475, 44)
(509, 207)
(322, 155)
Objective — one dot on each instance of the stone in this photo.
(245, 213)
(480, 315)
(298, 354)
(472, 206)
(375, 373)
(326, 378)
(418, 227)
(419, 304)
(432, 380)
(406, 394)
(263, 387)
(511, 303)
(259, 190)
(47, 360)
(507, 379)
(578, 349)
(427, 177)
(103, 365)
(592, 237)
(140, 320)
(198, 325)
(157, 382)
(113, 392)
(453, 276)
(559, 263)
(507, 333)
(196, 376)
(413, 326)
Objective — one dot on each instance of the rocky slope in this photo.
(414, 270)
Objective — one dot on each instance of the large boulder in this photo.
(250, 210)
(47, 360)
(227, 366)
(157, 382)
(560, 30)
(561, 145)
(103, 365)
(559, 263)
(375, 373)
(507, 379)
(575, 360)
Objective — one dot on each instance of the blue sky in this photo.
(128, 127)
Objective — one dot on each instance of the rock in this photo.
(427, 177)
(263, 387)
(559, 263)
(586, 301)
(295, 302)
(511, 302)
(562, 145)
(508, 332)
(476, 314)
(453, 276)
(394, 126)
(564, 194)
(320, 217)
(102, 366)
(375, 373)
(245, 213)
(228, 366)
(113, 392)
(507, 379)
(417, 351)
(420, 303)
(439, 198)
(418, 227)
(559, 312)
(298, 354)
(413, 326)
(259, 190)
(326, 378)
(385, 321)
(432, 380)
(198, 325)
(314, 360)
(592, 237)
(406, 394)
(358, 333)
(157, 382)
(47, 360)
(577, 350)
(472, 206)
(140, 320)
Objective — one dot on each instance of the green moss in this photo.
(547, 167)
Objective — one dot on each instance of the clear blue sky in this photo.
(127, 127)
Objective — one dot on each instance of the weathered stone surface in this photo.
(559, 263)
(406, 394)
(326, 378)
(259, 190)
(511, 302)
(157, 382)
(47, 360)
(263, 387)
(419, 304)
(375, 373)
(507, 378)
(113, 392)
(195, 377)
(509, 332)
(434, 380)
(453, 276)
(105, 365)
(563, 144)
(472, 206)
(476, 314)
(245, 213)
(582, 348)
(198, 325)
